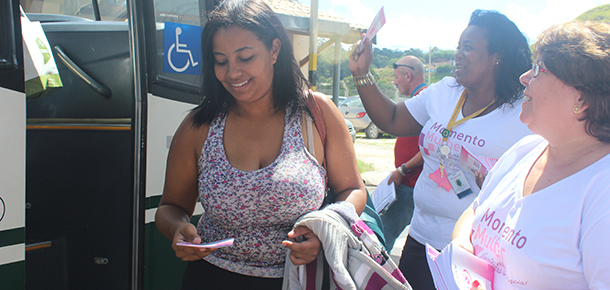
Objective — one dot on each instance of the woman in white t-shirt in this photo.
(476, 112)
(542, 218)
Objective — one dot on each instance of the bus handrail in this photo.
(96, 86)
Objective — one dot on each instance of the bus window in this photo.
(11, 47)
(8, 50)
(109, 10)
(175, 48)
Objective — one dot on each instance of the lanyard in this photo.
(445, 150)
(452, 123)
(417, 89)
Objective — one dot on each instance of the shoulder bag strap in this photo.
(318, 120)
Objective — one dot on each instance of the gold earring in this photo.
(576, 109)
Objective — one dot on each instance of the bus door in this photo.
(80, 160)
(172, 30)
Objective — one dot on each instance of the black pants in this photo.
(414, 265)
(201, 275)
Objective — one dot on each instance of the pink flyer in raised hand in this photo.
(378, 22)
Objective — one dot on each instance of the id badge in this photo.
(460, 184)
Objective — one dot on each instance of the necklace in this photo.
(445, 150)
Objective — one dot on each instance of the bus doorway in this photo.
(92, 153)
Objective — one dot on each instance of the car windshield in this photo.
(353, 102)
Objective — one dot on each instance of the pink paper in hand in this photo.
(216, 244)
(378, 22)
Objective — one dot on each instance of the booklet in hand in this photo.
(384, 195)
(216, 244)
(472, 162)
(454, 268)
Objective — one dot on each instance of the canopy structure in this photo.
(296, 18)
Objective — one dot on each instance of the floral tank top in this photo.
(257, 208)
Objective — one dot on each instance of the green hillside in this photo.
(600, 13)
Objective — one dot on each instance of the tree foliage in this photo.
(381, 68)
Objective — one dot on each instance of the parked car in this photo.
(353, 110)
(341, 99)
(350, 127)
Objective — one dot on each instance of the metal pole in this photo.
(346, 89)
(135, 47)
(96, 10)
(313, 42)
(429, 61)
(337, 70)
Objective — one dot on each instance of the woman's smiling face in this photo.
(548, 102)
(243, 64)
(474, 65)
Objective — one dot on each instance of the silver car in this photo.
(352, 132)
(353, 111)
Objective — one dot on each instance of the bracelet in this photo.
(364, 81)
(403, 170)
(399, 168)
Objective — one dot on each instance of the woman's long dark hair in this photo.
(505, 39)
(254, 15)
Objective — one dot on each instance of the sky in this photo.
(420, 24)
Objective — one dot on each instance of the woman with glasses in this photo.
(476, 112)
(546, 203)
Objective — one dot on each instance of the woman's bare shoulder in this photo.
(189, 135)
(323, 100)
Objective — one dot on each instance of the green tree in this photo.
(381, 61)
(381, 69)
(445, 69)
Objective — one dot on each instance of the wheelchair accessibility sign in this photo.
(182, 49)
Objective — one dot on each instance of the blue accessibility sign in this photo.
(182, 48)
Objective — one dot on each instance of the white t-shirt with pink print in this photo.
(437, 207)
(555, 238)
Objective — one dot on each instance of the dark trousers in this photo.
(414, 265)
(201, 275)
(396, 218)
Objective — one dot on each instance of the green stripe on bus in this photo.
(153, 201)
(12, 237)
(12, 276)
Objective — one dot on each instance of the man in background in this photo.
(409, 79)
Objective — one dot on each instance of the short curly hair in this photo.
(578, 53)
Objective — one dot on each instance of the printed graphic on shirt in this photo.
(490, 235)
(431, 140)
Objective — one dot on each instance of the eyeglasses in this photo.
(536, 69)
(398, 64)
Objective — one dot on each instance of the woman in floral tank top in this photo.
(242, 153)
